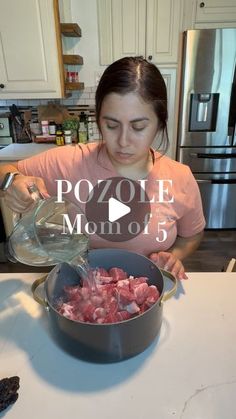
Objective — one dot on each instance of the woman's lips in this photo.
(123, 155)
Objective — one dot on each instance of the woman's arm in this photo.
(171, 260)
(185, 246)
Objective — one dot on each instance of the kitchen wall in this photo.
(85, 14)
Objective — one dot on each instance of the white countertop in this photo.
(15, 152)
(189, 372)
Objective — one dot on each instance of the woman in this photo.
(131, 112)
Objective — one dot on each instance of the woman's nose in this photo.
(123, 139)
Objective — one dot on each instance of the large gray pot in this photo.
(110, 342)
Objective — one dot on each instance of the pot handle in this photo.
(169, 294)
(34, 287)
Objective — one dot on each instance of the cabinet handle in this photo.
(150, 57)
(2, 86)
(202, 4)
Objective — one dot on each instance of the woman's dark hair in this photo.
(136, 75)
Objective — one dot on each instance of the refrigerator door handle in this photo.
(234, 137)
(217, 181)
(203, 180)
(213, 155)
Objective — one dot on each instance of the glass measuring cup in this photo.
(48, 234)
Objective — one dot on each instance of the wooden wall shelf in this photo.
(70, 29)
(73, 59)
(74, 86)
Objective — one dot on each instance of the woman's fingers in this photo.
(41, 187)
(162, 259)
(177, 270)
(169, 262)
(18, 197)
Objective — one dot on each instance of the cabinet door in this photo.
(164, 22)
(122, 28)
(216, 11)
(29, 66)
(129, 23)
(169, 75)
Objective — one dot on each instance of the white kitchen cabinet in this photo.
(164, 23)
(149, 28)
(169, 75)
(128, 27)
(121, 29)
(29, 57)
(216, 11)
(209, 14)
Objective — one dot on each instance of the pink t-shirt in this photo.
(182, 217)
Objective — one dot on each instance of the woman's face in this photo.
(128, 126)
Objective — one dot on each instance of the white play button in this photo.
(116, 209)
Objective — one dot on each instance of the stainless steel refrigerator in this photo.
(207, 119)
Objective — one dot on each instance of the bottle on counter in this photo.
(68, 136)
(35, 127)
(52, 128)
(45, 127)
(59, 135)
(90, 129)
(83, 128)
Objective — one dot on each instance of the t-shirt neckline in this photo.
(106, 162)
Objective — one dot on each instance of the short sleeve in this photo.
(192, 220)
(53, 164)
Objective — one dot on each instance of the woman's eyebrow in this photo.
(144, 118)
(110, 118)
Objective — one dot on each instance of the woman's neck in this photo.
(138, 170)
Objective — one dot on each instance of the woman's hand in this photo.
(182, 248)
(168, 262)
(18, 198)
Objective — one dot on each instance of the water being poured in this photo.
(87, 274)
(42, 238)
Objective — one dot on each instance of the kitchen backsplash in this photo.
(83, 101)
(85, 97)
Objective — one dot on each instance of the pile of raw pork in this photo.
(107, 297)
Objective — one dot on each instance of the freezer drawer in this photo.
(221, 160)
(219, 203)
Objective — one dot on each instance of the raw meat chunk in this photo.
(117, 274)
(111, 298)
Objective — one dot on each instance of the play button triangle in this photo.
(116, 209)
